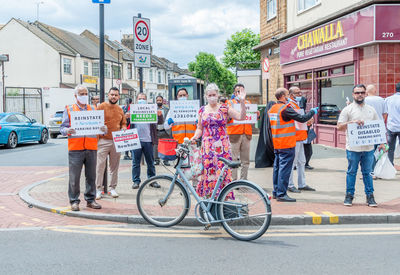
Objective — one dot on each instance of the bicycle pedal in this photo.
(207, 226)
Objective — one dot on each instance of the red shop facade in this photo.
(328, 60)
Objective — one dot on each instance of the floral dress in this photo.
(215, 144)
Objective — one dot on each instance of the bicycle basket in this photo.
(166, 149)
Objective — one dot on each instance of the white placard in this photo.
(143, 113)
(126, 140)
(372, 132)
(251, 114)
(184, 110)
(87, 122)
(299, 125)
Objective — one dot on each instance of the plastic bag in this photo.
(196, 164)
(397, 149)
(384, 168)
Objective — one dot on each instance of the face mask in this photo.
(212, 99)
(83, 99)
(298, 98)
(141, 101)
(159, 104)
(182, 98)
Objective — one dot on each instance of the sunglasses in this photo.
(359, 93)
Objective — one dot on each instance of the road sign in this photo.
(265, 75)
(101, 1)
(119, 82)
(4, 58)
(142, 60)
(266, 65)
(142, 38)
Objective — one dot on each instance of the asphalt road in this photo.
(135, 249)
(54, 153)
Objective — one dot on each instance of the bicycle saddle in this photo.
(231, 164)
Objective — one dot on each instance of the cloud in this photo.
(180, 28)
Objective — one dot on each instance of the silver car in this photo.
(55, 123)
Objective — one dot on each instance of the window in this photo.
(12, 119)
(271, 9)
(159, 77)
(23, 119)
(67, 65)
(95, 69)
(85, 68)
(169, 76)
(151, 76)
(115, 72)
(129, 70)
(107, 70)
(303, 5)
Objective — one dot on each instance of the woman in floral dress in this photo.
(215, 141)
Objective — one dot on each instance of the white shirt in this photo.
(393, 111)
(378, 103)
(353, 112)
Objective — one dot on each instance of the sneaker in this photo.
(293, 190)
(306, 188)
(371, 201)
(113, 193)
(135, 185)
(98, 194)
(155, 185)
(348, 200)
(166, 163)
(157, 162)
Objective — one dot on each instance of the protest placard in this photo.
(126, 140)
(251, 114)
(87, 122)
(184, 110)
(372, 132)
(143, 113)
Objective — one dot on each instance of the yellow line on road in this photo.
(18, 215)
(26, 223)
(316, 219)
(61, 210)
(332, 217)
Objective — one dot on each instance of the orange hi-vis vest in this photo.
(283, 132)
(300, 134)
(180, 130)
(238, 129)
(76, 143)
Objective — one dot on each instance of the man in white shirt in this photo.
(393, 121)
(378, 103)
(358, 112)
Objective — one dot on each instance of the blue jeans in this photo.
(366, 160)
(282, 169)
(147, 150)
(392, 143)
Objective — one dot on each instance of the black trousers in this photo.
(308, 152)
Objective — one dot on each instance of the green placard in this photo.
(144, 118)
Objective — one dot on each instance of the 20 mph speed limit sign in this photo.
(141, 33)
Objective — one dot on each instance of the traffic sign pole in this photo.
(140, 69)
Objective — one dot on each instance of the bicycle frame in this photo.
(200, 201)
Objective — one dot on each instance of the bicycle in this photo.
(242, 207)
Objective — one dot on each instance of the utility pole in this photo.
(3, 86)
(101, 54)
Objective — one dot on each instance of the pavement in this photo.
(324, 206)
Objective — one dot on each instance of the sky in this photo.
(179, 28)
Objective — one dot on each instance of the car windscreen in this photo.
(330, 108)
(58, 114)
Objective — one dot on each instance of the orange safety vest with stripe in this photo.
(76, 143)
(283, 132)
(238, 129)
(300, 134)
(180, 130)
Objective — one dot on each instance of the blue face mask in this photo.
(141, 101)
(182, 98)
(298, 98)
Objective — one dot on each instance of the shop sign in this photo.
(346, 32)
(387, 22)
(89, 79)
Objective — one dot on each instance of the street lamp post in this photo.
(37, 10)
(119, 71)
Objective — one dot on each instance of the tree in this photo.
(207, 68)
(239, 48)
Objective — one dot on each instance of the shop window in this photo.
(292, 78)
(301, 76)
(303, 5)
(333, 93)
(349, 69)
(337, 71)
(271, 9)
(309, 75)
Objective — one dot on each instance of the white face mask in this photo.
(182, 98)
(83, 99)
(212, 99)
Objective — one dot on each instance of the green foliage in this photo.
(239, 49)
(207, 68)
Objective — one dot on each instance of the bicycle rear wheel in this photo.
(156, 208)
(249, 211)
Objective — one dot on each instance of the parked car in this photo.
(55, 123)
(329, 113)
(16, 128)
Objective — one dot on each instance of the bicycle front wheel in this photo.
(159, 209)
(247, 210)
